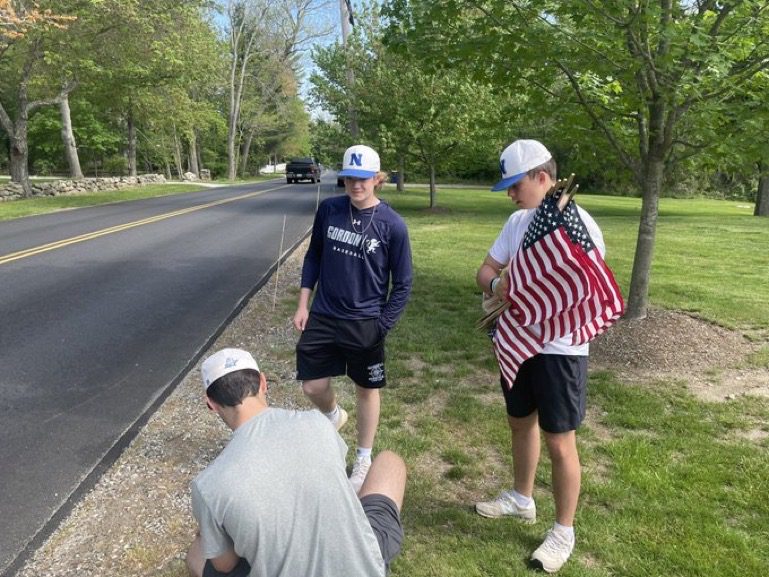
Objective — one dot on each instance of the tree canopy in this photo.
(651, 81)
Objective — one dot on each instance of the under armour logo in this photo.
(356, 159)
(356, 222)
(230, 362)
(502, 166)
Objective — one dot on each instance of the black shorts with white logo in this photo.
(330, 347)
(553, 385)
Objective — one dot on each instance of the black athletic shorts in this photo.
(330, 347)
(385, 520)
(242, 569)
(553, 385)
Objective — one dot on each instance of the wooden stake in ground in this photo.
(277, 270)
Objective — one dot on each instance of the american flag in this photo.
(559, 286)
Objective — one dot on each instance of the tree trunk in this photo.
(638, 300)
(232, 131)
(432, 186)
(168, 170)
(762, 194)
(68, 138)
(401, 172)
(20, 157)
(194, 166)
(178, 155)
(131, 143)
(245, 150)
(198, 150)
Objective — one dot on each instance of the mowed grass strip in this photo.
(32, 206)
(671, 485)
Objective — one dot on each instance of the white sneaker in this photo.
(504, 505)
(359, 471)
(341, 419)
(553, 553)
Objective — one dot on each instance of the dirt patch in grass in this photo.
(670, 345)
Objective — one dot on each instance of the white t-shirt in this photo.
(509, 241)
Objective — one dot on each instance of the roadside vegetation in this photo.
(31, 206)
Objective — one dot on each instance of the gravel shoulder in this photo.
(137, 520)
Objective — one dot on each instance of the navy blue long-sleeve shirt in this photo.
(353, 258)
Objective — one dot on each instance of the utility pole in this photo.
(345, 9)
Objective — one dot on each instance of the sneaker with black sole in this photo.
(506, 505)
(553, 553)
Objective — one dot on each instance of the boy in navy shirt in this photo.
(359, 264)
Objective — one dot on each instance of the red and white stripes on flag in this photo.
(559, 286)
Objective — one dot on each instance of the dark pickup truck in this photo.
(302, 169)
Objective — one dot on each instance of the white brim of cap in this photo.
(506, 183)
(356, 173)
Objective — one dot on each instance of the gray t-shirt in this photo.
(278, 493)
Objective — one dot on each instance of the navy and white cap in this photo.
(360, 161)
(518, 159)
(225, 362)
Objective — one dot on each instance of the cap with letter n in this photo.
(225, 362)
(360, 161)
(518, 159)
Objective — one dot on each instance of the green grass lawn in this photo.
(31, 206)
(671, 485)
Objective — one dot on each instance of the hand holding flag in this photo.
(559, 286)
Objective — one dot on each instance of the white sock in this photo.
(333, 415)
(522, 500)
(363, 453)
(564, 531)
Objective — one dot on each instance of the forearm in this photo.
(396, 304)
(487, 272)
(304, 298)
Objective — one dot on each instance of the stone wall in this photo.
(13, 191)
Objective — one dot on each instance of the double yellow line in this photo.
(121, 227)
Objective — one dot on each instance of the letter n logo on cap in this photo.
(502, 166)
(356, 159)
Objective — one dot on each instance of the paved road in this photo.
(104, 310)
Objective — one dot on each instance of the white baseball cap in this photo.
(518, 159)
(225, 362)
(360, 161)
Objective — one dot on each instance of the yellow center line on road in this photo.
(121, 227)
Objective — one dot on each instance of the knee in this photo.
(316, 387)
(392, 461)
(366, 394)
(561, 446)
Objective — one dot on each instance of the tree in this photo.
(266, 33)
(637, 70)
(429, 115)
(22, 33)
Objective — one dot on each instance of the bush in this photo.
(116, 165)
(43, 167)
